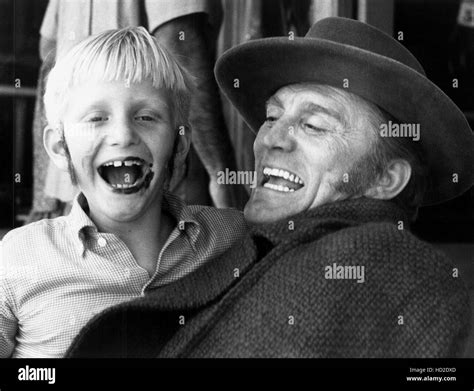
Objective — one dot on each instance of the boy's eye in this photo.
(96, 118)
(145, 118)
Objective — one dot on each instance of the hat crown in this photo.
(363, 36)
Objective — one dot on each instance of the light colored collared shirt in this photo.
(70, 21)
(56, 274)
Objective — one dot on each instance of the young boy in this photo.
(117, 106)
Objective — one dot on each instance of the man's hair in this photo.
(386, 149)
(370, 167)
(131, 55)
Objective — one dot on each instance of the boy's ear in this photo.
(395, 178)
(54, 145)
(182, 145)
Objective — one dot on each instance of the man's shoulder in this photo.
(383, 237)
(381, 245)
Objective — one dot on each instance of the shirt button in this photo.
(102, 242)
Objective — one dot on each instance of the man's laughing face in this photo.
(120, 139)
(302, 152)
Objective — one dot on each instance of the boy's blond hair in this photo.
(130, 54)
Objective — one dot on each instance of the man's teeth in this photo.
(278, 188)
(119, 163)
(282, 174)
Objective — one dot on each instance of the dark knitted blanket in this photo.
(296, 288)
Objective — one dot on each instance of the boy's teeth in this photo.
(132, 163)
(119, 163)
(123, 186)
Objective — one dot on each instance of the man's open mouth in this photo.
(281, 180)
(127, 175)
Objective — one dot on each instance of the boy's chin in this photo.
(125, 211)
(121, 206)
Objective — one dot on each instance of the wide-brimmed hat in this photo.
(363, 60)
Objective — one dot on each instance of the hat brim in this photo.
(252, 72)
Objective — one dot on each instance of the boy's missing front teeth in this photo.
(127, 175)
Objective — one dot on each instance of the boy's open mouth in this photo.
(128, 175)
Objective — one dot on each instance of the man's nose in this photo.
(281, 135)
(122, 133)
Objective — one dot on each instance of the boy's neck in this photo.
(144, 237)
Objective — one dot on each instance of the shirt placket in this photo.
(174, 235)
(111, 247)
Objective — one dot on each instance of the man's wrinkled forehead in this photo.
(309, 99)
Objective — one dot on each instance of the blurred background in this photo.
(440, 33)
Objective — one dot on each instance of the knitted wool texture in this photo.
(269, 296)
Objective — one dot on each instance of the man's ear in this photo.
(54, 145)
(392, 182)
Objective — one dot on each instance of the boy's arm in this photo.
(210, 136)
(8, 320)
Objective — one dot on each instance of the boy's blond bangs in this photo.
(131, 55)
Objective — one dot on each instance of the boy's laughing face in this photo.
(120, 138)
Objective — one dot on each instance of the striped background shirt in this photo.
(56, 274)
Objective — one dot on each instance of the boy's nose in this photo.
(122, 133)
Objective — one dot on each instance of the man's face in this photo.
(120, 139)
(302, 152)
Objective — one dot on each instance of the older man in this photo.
(355, 139)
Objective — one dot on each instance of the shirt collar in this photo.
(79, 221)
(183, 216)
(332, 216)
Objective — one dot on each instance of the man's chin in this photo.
(257, 213)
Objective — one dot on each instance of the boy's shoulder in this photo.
(220, 229)
(31, 238)
(216, 217)
(33, 230)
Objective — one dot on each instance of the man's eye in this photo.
(271, 119)
(314, 128)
